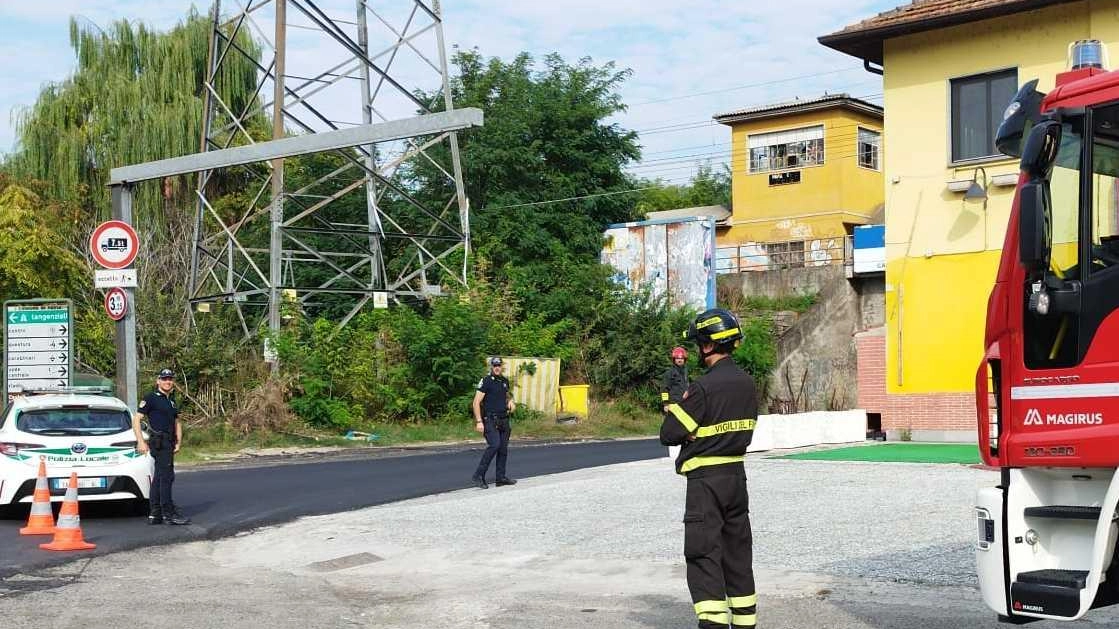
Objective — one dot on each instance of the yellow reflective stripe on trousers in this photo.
(734, 425)
(719, 618)
(703, 461)
(707, 607)
(682, 416)
(743, 620)
(738, 602)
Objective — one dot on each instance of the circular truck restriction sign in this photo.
(116, 303)
(114, 244)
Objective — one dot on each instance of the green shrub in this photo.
(757, 353)
(797, 303)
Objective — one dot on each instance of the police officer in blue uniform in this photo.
(492, 405)
(165, 435)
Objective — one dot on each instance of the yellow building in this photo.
(950, 69)
(802, 172)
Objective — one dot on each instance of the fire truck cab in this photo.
(1047, 390)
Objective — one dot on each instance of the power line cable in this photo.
(747, 86)
(575, 198)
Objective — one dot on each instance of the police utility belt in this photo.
(159, 440)
(499, 419)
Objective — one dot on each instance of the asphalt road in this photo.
(226, 501)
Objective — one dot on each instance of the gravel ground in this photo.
(883, 521)
(837, 545)
(900, 522)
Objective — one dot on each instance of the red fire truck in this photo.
(1047, 391)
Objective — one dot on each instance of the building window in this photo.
(978, 103)
(786, 149)
(869, 143)
(785, 255)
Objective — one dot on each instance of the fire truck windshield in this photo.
(1105, 191)
(1081, 285)
(1064, 188)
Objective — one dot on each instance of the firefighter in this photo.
(675, 380)
(713, 425)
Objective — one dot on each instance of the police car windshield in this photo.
(73, 421)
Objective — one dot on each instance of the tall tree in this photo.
(135, 95)
(708, 186)
(547, 136)
(34, 260)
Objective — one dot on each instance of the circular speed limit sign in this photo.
(116, 303)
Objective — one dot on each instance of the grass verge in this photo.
(619, 419)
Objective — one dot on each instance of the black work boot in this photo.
(155, 517)
(505, 480)
(480, 482)
(176, 517)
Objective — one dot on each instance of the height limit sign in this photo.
(116, 303)
(38, 344)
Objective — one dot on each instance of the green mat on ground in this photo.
(896, 453)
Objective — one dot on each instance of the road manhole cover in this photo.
(344, 563)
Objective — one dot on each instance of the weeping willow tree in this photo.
(136, 95)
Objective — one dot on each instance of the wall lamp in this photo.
(977, 192)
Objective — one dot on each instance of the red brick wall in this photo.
(871, 352)
(931, 411)
(927, 411)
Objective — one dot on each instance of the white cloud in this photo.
(674, 49)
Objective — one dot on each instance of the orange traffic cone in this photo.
(68, 531)
(41, 520)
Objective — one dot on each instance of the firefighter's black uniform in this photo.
(674, 384)
(720, 410)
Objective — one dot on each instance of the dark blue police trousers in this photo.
(161, 481)
(497, 432)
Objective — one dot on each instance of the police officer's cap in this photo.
(166, 374)
(716, 326)
(496, 361)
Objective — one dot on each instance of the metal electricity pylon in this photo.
(355, 222)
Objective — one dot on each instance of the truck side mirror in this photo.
(1041, 148)
(1034, 222)
(1034, 225)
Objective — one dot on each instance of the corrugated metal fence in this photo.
(534, 381)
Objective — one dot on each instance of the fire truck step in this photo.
(1064, 511)
(1076, 579)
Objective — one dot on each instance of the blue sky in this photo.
(690, 59)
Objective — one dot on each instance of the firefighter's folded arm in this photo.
(672, 433)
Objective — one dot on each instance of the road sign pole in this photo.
(127, 389)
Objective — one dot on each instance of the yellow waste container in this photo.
(574, 399)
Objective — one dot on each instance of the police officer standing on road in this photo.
(492, 405)
(675, 381)
(160, 412)
(714, 424)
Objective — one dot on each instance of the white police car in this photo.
(73, 430)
